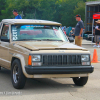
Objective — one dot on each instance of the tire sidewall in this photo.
(21, 75)
(81, 82)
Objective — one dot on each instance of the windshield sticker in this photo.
(33, 26)
(14, 34)
(14, 30)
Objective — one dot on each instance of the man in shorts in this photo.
(97, 34)
(79, 30)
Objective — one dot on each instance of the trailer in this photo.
(91, 8)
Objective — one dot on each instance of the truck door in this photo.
(4, 46)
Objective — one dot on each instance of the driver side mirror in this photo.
(71, 39)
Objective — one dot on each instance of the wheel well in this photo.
(13, 60)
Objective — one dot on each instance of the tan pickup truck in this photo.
(40, 49)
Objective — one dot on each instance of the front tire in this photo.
(0, 67)
(80, 81)
(17, 76)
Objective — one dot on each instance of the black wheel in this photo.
(0, 67)
(17, 76)
(80, 81)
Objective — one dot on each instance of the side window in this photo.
(5, 33)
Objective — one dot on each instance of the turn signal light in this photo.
(30, 60)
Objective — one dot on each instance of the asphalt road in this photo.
(53, 89)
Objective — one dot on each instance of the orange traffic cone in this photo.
(95, 57)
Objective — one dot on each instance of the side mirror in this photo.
(71, 39)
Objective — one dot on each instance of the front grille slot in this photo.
(58, 60)
(50, 60)
(65, 60)
(55, 60)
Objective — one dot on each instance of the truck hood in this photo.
(49, 45)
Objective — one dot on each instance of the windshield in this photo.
(37, 32)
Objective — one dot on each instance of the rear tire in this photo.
(80, 81)
(17, 76)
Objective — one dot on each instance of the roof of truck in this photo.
(92, 3)
(30, 21)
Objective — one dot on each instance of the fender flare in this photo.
(22, 61)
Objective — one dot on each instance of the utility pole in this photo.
(22, 14)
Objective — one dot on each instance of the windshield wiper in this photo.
(50, 40)
(28, 40)
(38, 40)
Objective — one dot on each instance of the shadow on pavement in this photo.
(40, 86)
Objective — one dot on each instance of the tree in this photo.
(66, 12)
(80, 8)
(62, 11)
(2, 7)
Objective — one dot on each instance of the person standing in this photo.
(15, 13)
(97, 34)
(79, 30)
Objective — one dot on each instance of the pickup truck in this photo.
(40, 49)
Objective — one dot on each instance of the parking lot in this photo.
(53, 89)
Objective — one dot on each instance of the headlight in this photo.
(85, 58)
(36, 58)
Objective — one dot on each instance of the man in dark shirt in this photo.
(79, 30)
(97, 34)
(17, 16)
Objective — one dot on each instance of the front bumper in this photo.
(59, 70)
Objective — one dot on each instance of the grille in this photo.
(58, 60)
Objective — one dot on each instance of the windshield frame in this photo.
(65, 36)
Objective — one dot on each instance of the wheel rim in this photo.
(15, 74)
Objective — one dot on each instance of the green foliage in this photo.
(80, 9)
(62, 11)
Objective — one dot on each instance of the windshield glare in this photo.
(37, 32)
